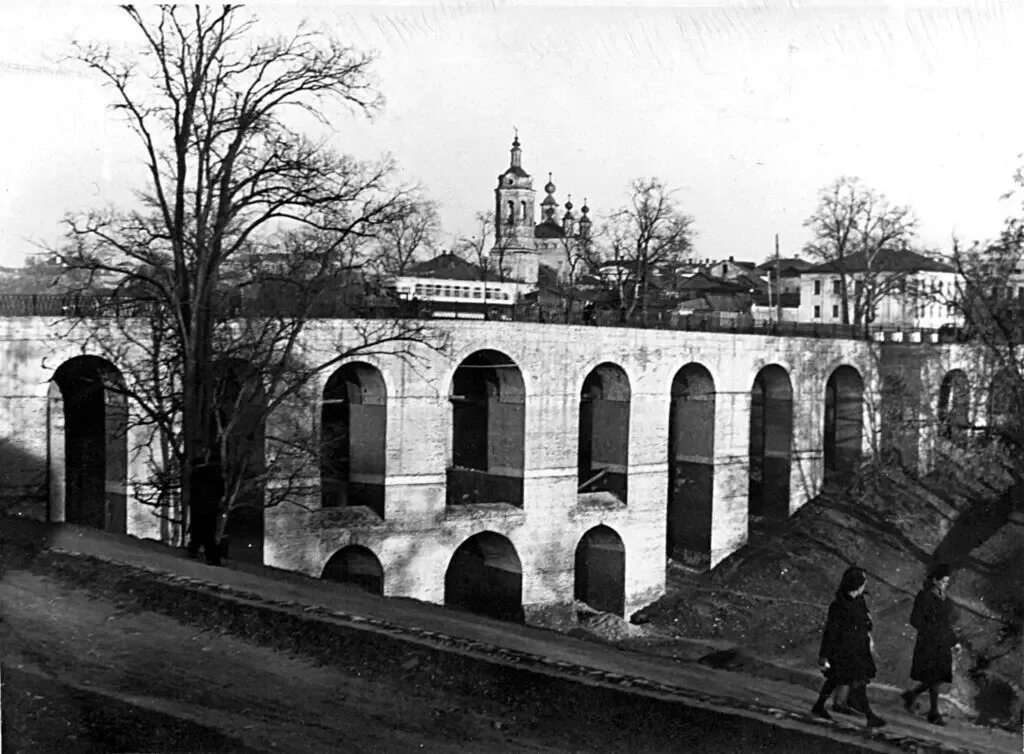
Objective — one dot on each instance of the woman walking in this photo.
(845, 655)
(932, 665)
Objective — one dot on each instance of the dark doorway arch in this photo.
(954, 411)
(601, 570)
(88, 430)
(238, 455)
(1004, 404)
(900, 424)
(691, 471)
(488, 431)
(485, 576)
(603, 458)
(353, 427)
(243, 532)
(844, 425)
(357, 565)
(771, 443)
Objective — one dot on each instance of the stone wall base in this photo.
(559, 615)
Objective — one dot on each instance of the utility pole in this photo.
(778, 281)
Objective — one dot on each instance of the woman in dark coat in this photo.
(932, 665)
(845, 655)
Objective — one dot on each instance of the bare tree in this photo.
(992, 311)
(411, 233)
(485, 249)
(578, 258)
(856, 230)
(234, 197)
(646, 234)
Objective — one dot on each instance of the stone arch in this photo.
(1003, 400)
(954, 409)
(600, 570)
(691, 470)
(603, 455)
(87, 422)
(243, 532)
(488, 431)
(844, 424)
(485, 576)
(771, 443)
(238, 455)
(357, 565)
(353, 438)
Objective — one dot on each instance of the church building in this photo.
(521, 244)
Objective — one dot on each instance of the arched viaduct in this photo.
(524, 468)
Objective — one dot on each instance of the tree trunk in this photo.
(202, 478)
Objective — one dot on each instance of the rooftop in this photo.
(886, 260)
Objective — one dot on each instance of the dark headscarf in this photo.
(853, 578)
(938, 573)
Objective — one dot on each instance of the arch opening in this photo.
(235, 467)
(1004, 402)
(353, 437)
(603, 459)
(600, 570)
(900, 424)
(485, 576)
(771, 442)
(691, 453)
(954, 410)
(844, 425)
(488, 431)
(356, 565)
(88, 431)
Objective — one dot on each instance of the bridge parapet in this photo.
(384, 307)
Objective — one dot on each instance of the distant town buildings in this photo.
(552, 262)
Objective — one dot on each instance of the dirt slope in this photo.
(770, 598)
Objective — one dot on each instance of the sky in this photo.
(745, 110)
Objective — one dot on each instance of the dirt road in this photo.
(91, 673)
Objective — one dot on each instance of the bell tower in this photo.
(514, 246)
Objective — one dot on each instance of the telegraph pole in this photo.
(778, 281)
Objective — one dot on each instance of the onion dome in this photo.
(585, 221)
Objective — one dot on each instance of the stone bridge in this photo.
(524, 469)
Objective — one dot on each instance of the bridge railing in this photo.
(385, 307)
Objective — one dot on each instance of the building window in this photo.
(817, 290)
(817, 312)
(835, 287)
(835, 311)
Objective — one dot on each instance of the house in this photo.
(701, 293)
(779, 300)
(743, 273)
(893, 288)
(783, 274)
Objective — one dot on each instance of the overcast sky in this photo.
(745, 109)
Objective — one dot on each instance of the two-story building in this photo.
(894, 288)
